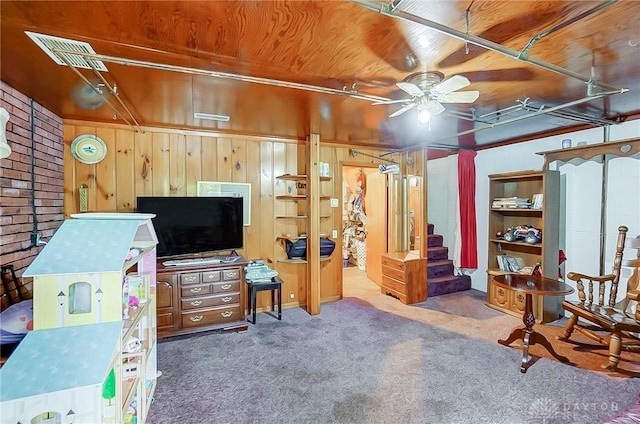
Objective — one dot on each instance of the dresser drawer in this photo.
(191, 278)
(210, 301)
(398, 274)
(231, 286)
(394, 285)
(231, 274)
(393, 263)
(195, 290)
(211, 316)
(211, 276)
(398, 295)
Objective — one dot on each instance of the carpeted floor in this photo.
(582, 352)
(374, 360)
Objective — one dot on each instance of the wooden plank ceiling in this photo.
(170, 59)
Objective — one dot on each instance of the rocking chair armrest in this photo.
(633, 295)
(575, 276)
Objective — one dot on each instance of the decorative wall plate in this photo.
(88, 149)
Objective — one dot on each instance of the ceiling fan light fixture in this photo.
(424, 116)
(211, 117)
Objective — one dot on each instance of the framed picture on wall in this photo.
(225, 189)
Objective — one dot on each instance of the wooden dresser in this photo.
(199, 298)
(404, 276)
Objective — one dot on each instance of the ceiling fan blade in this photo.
(459, 97)
(452, 84)
(412, 89)
(390, 102)
(403, 110)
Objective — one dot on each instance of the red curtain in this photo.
(467, 196)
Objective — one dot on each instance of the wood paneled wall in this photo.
(169, 163)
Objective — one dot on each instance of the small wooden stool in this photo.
(256, 286)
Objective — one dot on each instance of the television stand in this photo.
(201, 296)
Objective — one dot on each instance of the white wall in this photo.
(581, 186)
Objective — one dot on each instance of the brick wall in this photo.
(31, 183)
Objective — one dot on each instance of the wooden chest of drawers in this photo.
(199, 299)
(404, 276)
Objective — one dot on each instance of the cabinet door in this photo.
(167, 301)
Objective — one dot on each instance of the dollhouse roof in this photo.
(56, 359)
(92, 245)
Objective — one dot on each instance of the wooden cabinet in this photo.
(404, 276)
(167, 311)
(201, 298)
(502, 215)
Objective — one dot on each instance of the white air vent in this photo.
(211, 116)
(51, 46)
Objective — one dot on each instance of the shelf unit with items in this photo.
(301, 217)
(511, 198)
(104, 278)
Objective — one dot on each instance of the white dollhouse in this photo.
(91, 357)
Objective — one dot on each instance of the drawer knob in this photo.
(211, 276)
(501, 292)
(232, 274)
(196, 303)
(196, 318)
(190, 278)
(225, 286)
(520, 297)
(226, 314)
(196, 290)
(226, 299)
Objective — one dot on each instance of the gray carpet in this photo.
(354, 363)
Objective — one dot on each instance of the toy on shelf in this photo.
(525, 232)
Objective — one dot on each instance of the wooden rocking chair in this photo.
(615, 325)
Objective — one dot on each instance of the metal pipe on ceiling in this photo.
(354, 153)
(244, 78)
(563, 24)
(115, 109)
(478, 41)
(520, 118)
(114, 92)
(575, 117)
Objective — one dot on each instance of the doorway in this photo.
(361, 209)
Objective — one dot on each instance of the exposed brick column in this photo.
(31, 180)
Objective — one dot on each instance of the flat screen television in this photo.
(195, 226)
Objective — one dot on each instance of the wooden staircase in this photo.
(440, 277)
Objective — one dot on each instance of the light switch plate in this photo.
(334, 234)
(334, 203)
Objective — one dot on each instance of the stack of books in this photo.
(509, 263)
(511, 202)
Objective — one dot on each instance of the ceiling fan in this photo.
(429, 90)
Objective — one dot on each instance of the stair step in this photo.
(437, 253)
(449, 284)
(434, 240)
(439, 268)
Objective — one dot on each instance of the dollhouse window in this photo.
(47, 418)
(80, 298)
